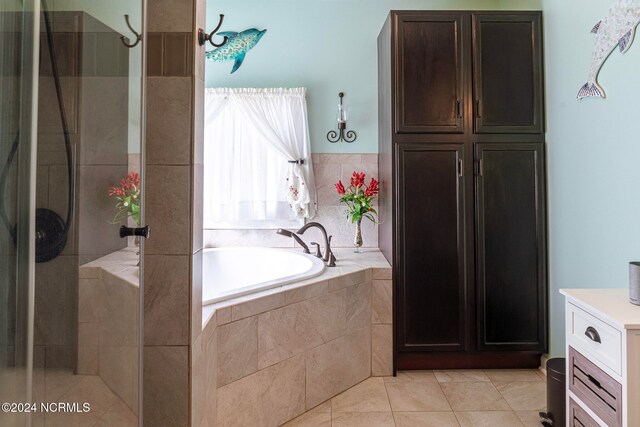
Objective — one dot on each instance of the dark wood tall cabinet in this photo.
(463, 200)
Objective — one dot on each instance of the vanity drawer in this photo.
(578, 417)
(601, 393)
(598, 340)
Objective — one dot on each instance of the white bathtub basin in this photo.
(233, 272)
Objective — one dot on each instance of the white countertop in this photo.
(610, 304)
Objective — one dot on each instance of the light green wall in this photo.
(327, 46)
(594, 207)
(593, 147)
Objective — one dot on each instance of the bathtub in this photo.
(233, 272)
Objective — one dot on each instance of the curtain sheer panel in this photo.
(257, 156)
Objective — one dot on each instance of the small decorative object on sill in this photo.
(341, 135)
(634, 283)
(127, 196)
(359, 201)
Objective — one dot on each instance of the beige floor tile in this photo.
(529, 418)
(464, 375)
(412, 376)
(368, 396)
(541, 374)
(58, 382)
(425, 419)
(524, 396)
(488, 419)
(512, 375)
(311, 419)
(415, 396)
(323, 407)
(356, 419)
(70, 420)
(118, 415)
(478, 396)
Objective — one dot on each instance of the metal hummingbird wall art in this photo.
(617, 29)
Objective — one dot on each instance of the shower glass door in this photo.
(71, 177)
(18, 92)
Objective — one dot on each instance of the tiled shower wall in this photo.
(171, 285)
(93, 64)
(328, 169)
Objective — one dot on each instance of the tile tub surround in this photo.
(328, 169)
(275, 354)
(108, 323)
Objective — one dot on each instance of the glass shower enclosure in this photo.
(71, 184)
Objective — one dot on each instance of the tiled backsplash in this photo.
(328, 169)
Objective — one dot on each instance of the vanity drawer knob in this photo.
(592, 334)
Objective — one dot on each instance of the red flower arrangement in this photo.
(358, 198)
(127, 195)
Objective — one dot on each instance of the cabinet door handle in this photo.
(592, 334)
(478, 111)
(459, 168)
(458, 108)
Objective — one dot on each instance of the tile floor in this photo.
(107, 409)
(466, 398)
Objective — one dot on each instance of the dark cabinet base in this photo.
(484, 360)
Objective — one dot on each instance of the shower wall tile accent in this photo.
(173, 346)
(174, 16)
(328, 169)
(168, 212)
(108, 323)
(168, 54)
(166, 302)
(168, 121)
(166, 385)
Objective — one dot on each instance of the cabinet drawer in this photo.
(578, 417)
(601, 393)
(586, 330)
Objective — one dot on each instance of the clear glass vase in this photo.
(357, 240)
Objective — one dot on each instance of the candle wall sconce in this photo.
(342, 134)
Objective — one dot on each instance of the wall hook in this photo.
(203, 37)
(125, 40)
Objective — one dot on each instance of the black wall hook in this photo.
(203, 37)
(125, 40)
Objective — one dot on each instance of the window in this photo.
(258, 172)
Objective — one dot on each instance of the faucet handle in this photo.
(332, 260)
(318, 253)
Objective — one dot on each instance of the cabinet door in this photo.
(429, 74)
(430, 302)
(511, 247)
(507, 59)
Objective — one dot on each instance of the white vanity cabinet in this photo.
(603, 358)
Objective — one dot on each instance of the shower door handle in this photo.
(128, 231)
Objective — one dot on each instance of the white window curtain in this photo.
(257, 158)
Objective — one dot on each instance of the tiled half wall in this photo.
(328, 169)
(263, 362)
